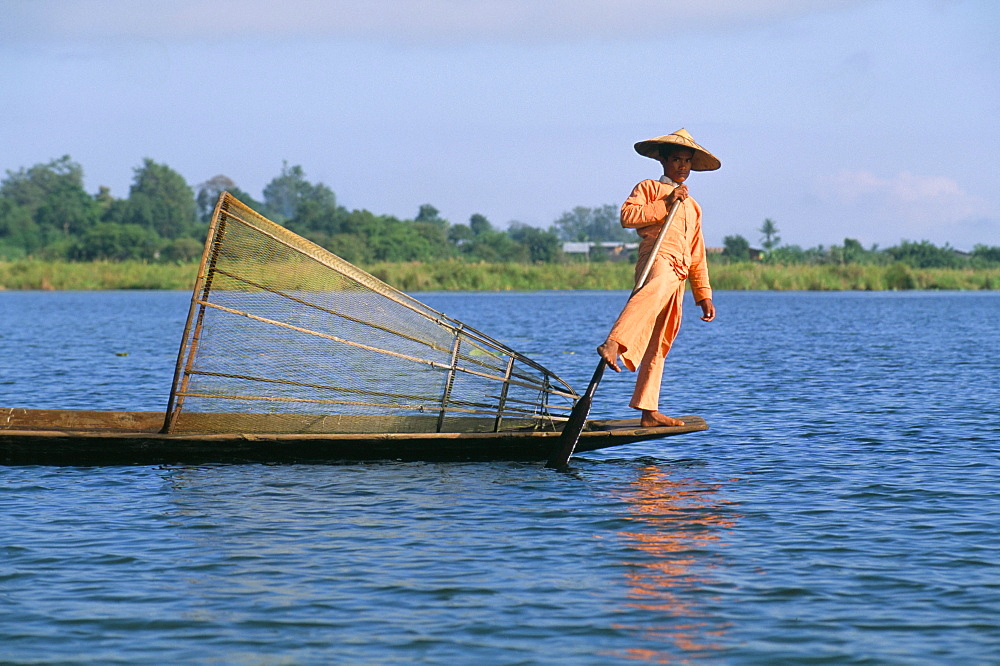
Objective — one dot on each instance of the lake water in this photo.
(843, 508)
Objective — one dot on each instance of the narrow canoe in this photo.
(82, 438)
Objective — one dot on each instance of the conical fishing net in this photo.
(285, 337)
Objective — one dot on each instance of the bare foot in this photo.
(651, 419)
(609, 352)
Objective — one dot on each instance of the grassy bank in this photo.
(457, 275)
(63, 275)
(757, 276)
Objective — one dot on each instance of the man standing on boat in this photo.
(647, 326)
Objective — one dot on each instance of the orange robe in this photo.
(648, 324)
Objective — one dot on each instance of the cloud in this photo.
(426, 21)
(924, 197)
(928, 207)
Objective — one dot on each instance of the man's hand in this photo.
(679, 193)
(707, 309)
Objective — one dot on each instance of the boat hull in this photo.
(82, 438)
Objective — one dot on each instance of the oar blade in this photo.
(576, 422)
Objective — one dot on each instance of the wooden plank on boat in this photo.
(72, 419)
(66, 437)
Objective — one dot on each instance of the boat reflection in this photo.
(679, 530)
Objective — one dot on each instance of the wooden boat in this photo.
(66, 437)
(290, 353)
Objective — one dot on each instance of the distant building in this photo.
(755, 254)
(612, 250)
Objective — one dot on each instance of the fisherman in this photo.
(647, 326)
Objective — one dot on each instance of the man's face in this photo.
(677, 164)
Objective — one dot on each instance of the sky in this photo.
(875, 120)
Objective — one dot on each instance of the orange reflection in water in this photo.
(680, 524)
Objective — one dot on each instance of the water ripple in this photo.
(842, 508)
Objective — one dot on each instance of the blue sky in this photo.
(868, 119)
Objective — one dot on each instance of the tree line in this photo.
(46, 213)
(922, 254)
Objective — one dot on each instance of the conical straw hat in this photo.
(702, 161)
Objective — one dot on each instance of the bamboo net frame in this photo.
(284, 336)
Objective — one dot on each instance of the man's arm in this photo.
(649, 204)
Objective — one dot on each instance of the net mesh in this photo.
(286, 337)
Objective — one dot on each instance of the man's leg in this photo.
(636, 325)
(646, 396)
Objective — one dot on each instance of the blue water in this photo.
(843, 508)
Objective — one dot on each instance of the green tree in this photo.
(428, 214)
(770, 231)
(602, 224)
(352, 247)
(162, 201)
(320, 216)
(385, 238)
(19, 235)
(459, 234)
(32, 187)
(436, 237)
(986, 255)
(182, 249)
(399, 241)
(494, 247)
(787, 254)
(736, 248)
(478, 224)
(54, 198)
(209, 191)
(924, 255)
(287, 191)
(433, 229)
(539, 245)
(854, 253)
(115, 242)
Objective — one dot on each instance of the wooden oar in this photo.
(578, 417)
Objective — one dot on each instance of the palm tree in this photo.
(770, 231)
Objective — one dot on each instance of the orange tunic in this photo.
(648, 325)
